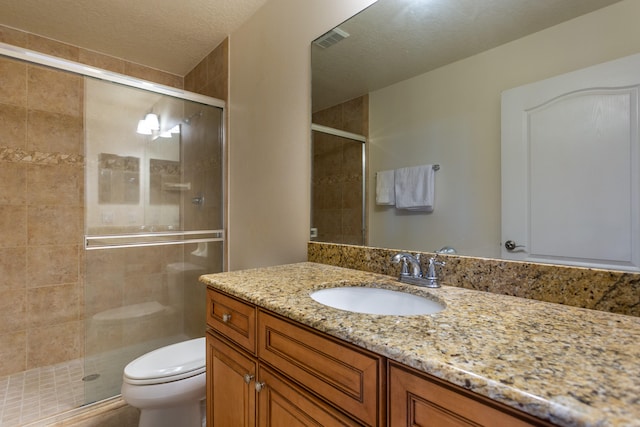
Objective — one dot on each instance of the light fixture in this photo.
(153, 121)
(148, 125)
(143, 128)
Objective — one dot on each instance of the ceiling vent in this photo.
(331, 37)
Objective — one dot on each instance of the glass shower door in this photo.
(153, 224)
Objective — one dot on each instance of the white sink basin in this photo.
(376, 301)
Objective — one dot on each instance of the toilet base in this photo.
(187, 415)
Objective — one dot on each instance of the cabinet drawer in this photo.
(232, 318)
(342, 374)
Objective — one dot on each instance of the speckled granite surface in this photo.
(605, 290)
(568, 365)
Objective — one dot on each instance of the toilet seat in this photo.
(171, 363)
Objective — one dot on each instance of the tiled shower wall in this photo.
(41, 202)
(337, 173)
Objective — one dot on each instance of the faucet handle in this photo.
(401, 258)
(433, 261)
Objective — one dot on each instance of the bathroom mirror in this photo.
(440, 67)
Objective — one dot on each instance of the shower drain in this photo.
(91, 377)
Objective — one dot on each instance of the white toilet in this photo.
(168, 385)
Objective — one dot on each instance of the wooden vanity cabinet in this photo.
(419, 399)
(267, 371)
(264, 370)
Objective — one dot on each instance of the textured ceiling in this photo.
(170, 35)
(393, 40)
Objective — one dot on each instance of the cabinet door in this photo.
(419, 400)
(344, 375)
(281, 403)
(231, 395)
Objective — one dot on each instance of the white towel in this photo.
(414, 188)
(385, 188)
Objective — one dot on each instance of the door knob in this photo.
(511, 245)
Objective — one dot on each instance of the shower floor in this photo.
(38, 393)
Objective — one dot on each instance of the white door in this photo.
(570, 163)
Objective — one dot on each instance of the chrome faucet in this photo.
(411, 271)
(407, 261)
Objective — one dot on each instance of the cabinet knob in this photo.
(260, 386)
(248, 378)
(226, 317)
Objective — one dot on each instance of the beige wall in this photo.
(269, 131)
(451, 116)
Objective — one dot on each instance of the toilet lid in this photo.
(170, 363)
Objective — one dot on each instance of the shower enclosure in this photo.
(111, 210)
(153, 224)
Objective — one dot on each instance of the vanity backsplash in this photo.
(604, 290)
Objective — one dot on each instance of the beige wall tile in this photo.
(197, 78)
(13, 82)
(13, 126)
(13, 226)
(13, 264)
(217, 71)
(13, 177)
(100, 60)
(13, 36)
(211, 76)
(55, 185)
(141, 261)
(54, 132)
(52, 305)
(104, 263)
(151, 74)
(52, 265)
(52, 47)
(103, 293)
(145, 288)
(48, 345)
(55, 91)
(13, 310)
(54, 225)
(13, 351)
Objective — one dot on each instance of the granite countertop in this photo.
(570, 366)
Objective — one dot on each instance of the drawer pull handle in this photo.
(248, 378)
(260, 386)
(226, 317)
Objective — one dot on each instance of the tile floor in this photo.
(30, 395)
